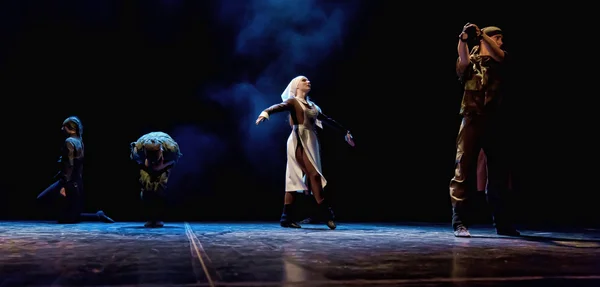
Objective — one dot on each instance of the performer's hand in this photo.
(349, 139)
(466, 26)
(469, 25)
(63, 192)
(162, 165)
(259, 120)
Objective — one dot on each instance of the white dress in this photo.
(305, 135)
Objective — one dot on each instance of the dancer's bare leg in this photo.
(314, 181)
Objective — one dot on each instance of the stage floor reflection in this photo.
(264, 254)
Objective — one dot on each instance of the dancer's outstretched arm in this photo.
(287, 105)
(333, 123)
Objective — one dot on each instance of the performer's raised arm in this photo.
(469, 31)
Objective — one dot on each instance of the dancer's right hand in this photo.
(349, 139)
(260, 119)
(469, 25)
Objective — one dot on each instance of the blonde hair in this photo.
(155, 140)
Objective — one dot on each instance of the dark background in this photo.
(203, 70)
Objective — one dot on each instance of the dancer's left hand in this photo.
(63, 192)
(349, 139)
(158, 166)
(260, 120)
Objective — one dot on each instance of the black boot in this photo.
(154, 205)
(309, 205)
(502, 218)
(103, 217)
(507, 231)
(98, 216)
(287, 219)
(326, 213)
(154, 224)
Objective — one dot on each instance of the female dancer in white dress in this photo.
(303, 171)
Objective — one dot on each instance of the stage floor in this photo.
(264, 254)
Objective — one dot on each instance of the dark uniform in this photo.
(482, 127)
(70, 177)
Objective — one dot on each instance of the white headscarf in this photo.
(290, 92)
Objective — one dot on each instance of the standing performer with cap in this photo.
(482, 127)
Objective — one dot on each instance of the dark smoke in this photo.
(200, 150)
(288, 38)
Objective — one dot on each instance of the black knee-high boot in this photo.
(287, 217)
(326, 214)
(98, 216)
(502, 218)
(310, 204)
